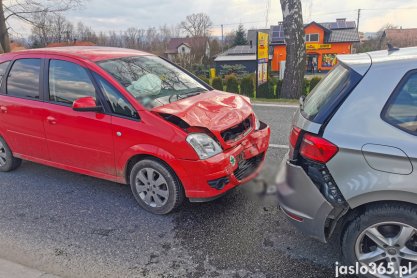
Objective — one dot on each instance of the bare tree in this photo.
(26, 10)
(292, 86)
(197, 25)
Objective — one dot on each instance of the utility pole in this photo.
(222, 38)
(359, 16)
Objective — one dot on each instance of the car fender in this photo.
(386, 195)
(151, 150)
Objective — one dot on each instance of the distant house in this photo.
(241, 54)
(188, 50)
(399, 37)
(71, 43)
(15, 46)
(323, 41)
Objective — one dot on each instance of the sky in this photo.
(105, 15)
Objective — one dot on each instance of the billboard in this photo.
(262, 57)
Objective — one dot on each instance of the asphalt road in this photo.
(77, 226)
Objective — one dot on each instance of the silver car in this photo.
(353, 158)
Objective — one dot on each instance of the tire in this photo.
(7, 161)
(396, 223)
(155, 186)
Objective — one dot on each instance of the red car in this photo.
(129, 117)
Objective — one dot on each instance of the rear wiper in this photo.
(301, 101)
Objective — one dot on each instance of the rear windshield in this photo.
(329, 93)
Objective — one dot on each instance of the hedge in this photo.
(232, 85)
(217, 83)
(247, 86)
(313, 82)
(266, 90)
(205, 79)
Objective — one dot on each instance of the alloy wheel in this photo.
(3, 154)
(152, 187)
(388, 242)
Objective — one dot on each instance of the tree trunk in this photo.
(4, 34)
(293, 83)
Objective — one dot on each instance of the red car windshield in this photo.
(151, 80)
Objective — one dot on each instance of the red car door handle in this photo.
(3, 109)
(51, 120)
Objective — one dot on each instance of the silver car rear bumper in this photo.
(300, 198)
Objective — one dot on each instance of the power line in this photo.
(237, 23)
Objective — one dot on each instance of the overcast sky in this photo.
(103, 15)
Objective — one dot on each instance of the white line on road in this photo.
(276, 146)
(275, 105)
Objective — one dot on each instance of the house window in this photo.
(183, 49)
(312, 37)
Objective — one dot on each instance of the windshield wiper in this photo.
(182, 96)
(191, 93)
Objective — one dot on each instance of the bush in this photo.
(313, 82)
(247, 86)
(232, 85)
(205, 79)
(306, 86)
(278, 89)
(266, 90)
(217, 83)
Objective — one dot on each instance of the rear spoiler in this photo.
(358, 62)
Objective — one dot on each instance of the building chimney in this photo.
(340, 19)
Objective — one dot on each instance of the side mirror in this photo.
(86, 104)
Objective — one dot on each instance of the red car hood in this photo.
(214, 110)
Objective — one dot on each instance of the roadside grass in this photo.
(275, 100)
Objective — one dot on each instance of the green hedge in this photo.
(278, 89)
(205, 79)
(247, 86)
(313, 82)
(266, 90)
(217, 83)
(232, 85)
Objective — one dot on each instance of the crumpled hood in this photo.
(214, 110)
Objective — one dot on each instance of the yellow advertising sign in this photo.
(263, 46)
(316, 46)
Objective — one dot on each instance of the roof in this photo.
(240, 50)
(235, 58)
(93, 53)
(343, 35)
(174, 43)
(238, 53)
(338, 31)
(361, 62)
(401, 37)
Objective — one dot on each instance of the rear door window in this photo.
(329, 92)
(401, 109)
(23, 79)
(68, 82)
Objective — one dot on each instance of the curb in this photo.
(10, 269)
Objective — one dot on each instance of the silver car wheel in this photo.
(3, 154)
(152, 187)
(388, 242)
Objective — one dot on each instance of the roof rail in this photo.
(392, 48)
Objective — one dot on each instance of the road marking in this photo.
(276, 146)
(275, 105)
